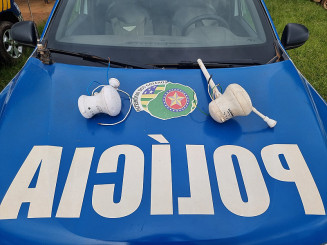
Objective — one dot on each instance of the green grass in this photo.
(8, 72)
(310, 59)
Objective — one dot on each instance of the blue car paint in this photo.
(319, 106)
(43, 109)
(39, 107)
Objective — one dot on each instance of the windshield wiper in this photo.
(101, 60)
(209, 64)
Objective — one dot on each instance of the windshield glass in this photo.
(155, 31)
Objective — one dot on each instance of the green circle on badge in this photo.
(165, 100)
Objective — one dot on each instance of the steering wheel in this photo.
(198, 19)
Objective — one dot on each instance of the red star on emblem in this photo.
(175, 100)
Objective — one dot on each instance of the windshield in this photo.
(156, 31)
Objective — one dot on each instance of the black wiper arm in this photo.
(95, 58)
(81, 55)
(209, 64)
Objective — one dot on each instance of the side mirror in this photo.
(25, 33)
(294, 35)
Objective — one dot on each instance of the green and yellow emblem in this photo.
(165, 100)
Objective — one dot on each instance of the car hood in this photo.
(186, 179)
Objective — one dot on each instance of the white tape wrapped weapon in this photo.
(107, 101)
(234, 102)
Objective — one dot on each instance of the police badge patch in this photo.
(164, 100)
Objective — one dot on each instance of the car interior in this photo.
(213, 22)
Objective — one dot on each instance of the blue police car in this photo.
(9, 14)
(140, 122)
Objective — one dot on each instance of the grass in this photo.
(310, 59)
(8, 72)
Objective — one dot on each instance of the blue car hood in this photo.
(195, 181)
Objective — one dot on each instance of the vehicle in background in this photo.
(322, 2)
(9, 15)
